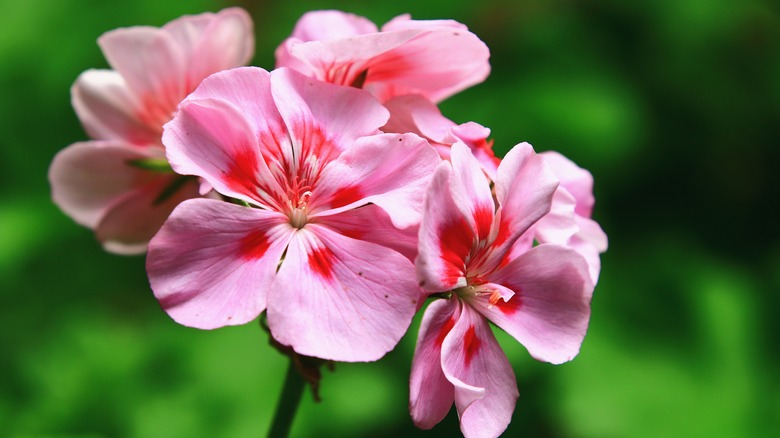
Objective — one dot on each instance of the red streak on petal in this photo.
(483, 217)
(321, 262)
(346, 195)
(512, 306)
(455, 242)
(471, 344)
(503, 233)
(241, 176)
(444, 330)
(486, 146)
(253, 245)
(352, 232)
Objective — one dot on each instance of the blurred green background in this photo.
(673, 105)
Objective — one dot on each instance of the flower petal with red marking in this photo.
(470, 189)
(212, 263)
(343, 113)
(132, 220)
(445, 237)
(430, 393)
(524, 189)
(213, 42)
(152, 63)
(212, 139)
(485, 386)
(551, 306)
(339, 298)
(436, 63)
(372, 224)
(87, 178)
(108, 110)
(389, 170)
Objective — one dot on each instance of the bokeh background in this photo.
(673, 105)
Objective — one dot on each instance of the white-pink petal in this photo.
(88, 177)
(213, 42)
(212, 263)
(108, 110)
(339, 298)
(135, 217)
(163, 65)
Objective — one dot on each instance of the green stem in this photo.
(292, 391)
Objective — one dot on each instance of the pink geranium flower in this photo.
(569, 221)
(325, 194)
(119, 184)
(434, 58)
(541, 297)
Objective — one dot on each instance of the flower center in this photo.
(298, 210)
(477, 287)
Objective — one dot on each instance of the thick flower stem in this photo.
(292, 391)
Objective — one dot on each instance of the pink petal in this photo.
(342, 114)
(389, 170)
(339, 298)
(576, 180)
(430, 393)
(213, 42)
(132, 220)
(414, 113)
(550, 310)
(110, 111)
(88, 177)
(485, 386)
(326, 25)
(404, 21)
(212, 139)
(590, 242)
(432, 58)
(524, 189)
(560, 224)
(152, 63)
(591, 233)
(213, 262)
(372, 224)
(436, 64)
(471, 191)
(475, 137)
(445, 237)
(343, 60)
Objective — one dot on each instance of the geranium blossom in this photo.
(569, 220)
(434, 58)
(541, 296)
(119, 184)
(311, 165)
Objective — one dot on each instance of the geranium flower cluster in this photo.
(332, 195)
